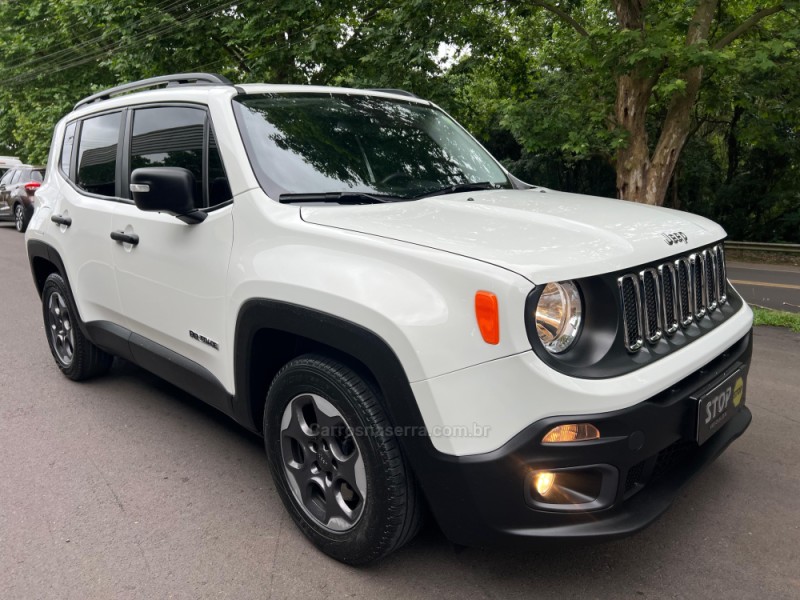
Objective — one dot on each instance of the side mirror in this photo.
(166, 189)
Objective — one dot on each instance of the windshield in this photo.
(339, 143)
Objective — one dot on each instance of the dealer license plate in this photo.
(718, 406)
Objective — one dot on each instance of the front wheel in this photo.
(337, 466)
(75, 355)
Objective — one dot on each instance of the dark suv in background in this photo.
(17, 188)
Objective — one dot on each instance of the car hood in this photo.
(541, 234)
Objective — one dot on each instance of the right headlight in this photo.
(558, 316)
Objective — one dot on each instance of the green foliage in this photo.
(533, 88)
(776, 318)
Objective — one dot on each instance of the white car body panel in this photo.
(542, 235)
(173, 281)
(86, 242)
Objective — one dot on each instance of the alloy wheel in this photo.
(323, 463)
(59, 325)
(19, 217)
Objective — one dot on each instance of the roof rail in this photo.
(169, 80)
(394, 91)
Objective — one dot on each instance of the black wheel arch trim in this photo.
(39, 249)
(339, 334)
(42, 250)
(368, 349)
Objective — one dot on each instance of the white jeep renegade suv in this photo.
(350, 274)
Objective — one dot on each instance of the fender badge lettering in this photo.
(204, 339)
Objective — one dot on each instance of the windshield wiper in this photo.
(460, 187)
(338, 198)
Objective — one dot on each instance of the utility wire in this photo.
(163, 6)
(165, 28)
(169, 27)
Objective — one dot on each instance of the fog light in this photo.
(543, 480)
(583, 488)
(574, 432)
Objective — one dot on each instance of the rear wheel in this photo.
(337, 466)
(75, 355)
(20, 218)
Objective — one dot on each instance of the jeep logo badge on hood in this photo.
(675, 237)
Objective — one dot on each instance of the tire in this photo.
(21, 218)
(74, 354)
(356, 512)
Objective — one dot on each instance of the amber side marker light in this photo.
(574, 432)
(488, 316)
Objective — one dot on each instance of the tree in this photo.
(570, 90)
(622, 79)
(643, 174)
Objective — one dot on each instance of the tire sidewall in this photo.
(306, 379)
(55, 283)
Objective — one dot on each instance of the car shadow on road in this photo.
(122, 370)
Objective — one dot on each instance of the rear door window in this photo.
(97, 154)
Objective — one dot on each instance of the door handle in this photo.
(125, 238)
(65, 221)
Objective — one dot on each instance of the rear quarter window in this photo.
(66, 150)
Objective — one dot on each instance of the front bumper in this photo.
(650, 449)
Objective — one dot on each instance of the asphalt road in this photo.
(773, 286)
(124, 487)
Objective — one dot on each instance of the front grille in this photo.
(672, 456)
(635, 477)
(658, 465)
(660, 300)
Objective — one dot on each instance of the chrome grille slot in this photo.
(669, 296)
(631, 304)
(651, 304)
(662, 299)
(684, 273)
(711, 287)
(698, 279)
(722, 275)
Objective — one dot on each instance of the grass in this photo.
(776, 318)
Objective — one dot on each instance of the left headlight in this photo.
(558, 316)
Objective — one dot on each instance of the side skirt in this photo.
(163, 362)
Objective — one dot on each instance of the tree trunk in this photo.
(633, 159)
(676, 199)
(643, 177)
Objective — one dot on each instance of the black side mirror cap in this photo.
(166, 189)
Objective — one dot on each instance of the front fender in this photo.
(419, 300)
